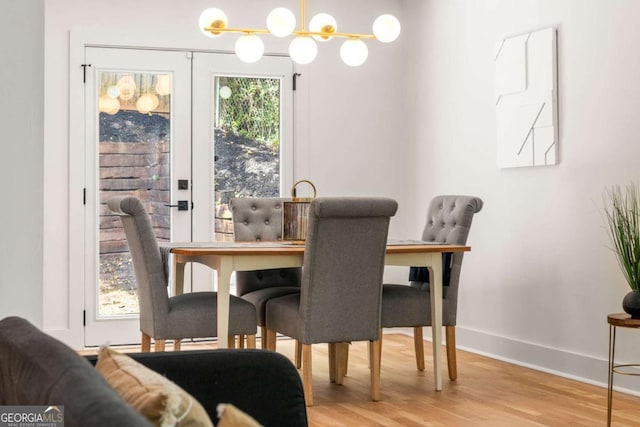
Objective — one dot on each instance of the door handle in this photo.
(183, 205)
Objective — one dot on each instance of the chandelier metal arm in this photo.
(303, 33)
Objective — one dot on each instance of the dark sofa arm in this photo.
(262, 383)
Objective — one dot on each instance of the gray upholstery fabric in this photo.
(342, 275)
(448, 221)
(161, 317)
(36, 369)
(257, 218)
(260, 219)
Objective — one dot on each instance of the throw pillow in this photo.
(160, 400)
(230, 416)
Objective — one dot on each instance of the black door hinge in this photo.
(295, 79)
(84, 317)
(84, 72)
(84, 196)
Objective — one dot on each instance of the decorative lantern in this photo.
(296, 215)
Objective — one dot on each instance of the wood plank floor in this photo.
(487, 393)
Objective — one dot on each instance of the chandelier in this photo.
(281, 22)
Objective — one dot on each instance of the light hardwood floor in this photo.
(487, 393)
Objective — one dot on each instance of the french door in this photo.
(185, 132)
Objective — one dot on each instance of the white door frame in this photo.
(72, 293)
(123, 329)
(204, 71)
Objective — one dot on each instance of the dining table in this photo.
(227, 257)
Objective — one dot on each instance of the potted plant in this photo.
(622, 209)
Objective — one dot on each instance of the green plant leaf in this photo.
(622, 210)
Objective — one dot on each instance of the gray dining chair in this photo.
(258, 219)
(191, 315)
(340, 294)
(448, 221)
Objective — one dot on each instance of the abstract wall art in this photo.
(527, 99)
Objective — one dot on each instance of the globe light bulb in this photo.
(147, 103)
(281, 22)
(225, 92)
(354, 52)
(113, 91)
(212, 18)
(386, 28)
(163, 85)
(323, 23)
(249, 48)
(109, 105)
(127, 87)
(303, 50)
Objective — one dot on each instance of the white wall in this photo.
(540, 281)
(21, 121)
(349, 138)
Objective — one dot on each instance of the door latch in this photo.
(183, 205)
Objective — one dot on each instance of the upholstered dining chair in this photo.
(340, 294)
(448, 221)
(260, 219)
(191, 315)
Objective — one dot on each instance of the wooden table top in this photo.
(283, 248)
(623, 320)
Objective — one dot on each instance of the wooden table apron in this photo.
(225, 259)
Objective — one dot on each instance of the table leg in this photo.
(435, 280)
(224, 284)
(178, 277)
(612, 349)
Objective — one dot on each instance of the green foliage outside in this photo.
(252, 110)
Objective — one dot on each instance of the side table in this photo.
(622, 320)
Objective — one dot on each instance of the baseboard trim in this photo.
(566, 364)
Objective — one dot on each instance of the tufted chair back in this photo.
(257, 219)
(449, 221)
(260, 219)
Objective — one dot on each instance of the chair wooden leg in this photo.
(418, 342)
(341, 360)
(159, 345)
(374, 356)
(307, 382)
(332, 362)
(145, 345)
(263, 337)
(345, 359)
(241, 341)
(298, 356)
(251, 341)
(450, 333)
(232, 341)
(176, 345)
(270, 340)
(380, 348)
(369, 350)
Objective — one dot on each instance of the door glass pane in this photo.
(246, 144)
(134, 142)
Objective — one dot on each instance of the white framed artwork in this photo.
(527, 100)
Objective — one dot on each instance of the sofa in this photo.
(36, 369)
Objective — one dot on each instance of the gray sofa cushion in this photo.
(36, 369)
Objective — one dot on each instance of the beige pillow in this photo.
(230, 416)
(154, 396)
